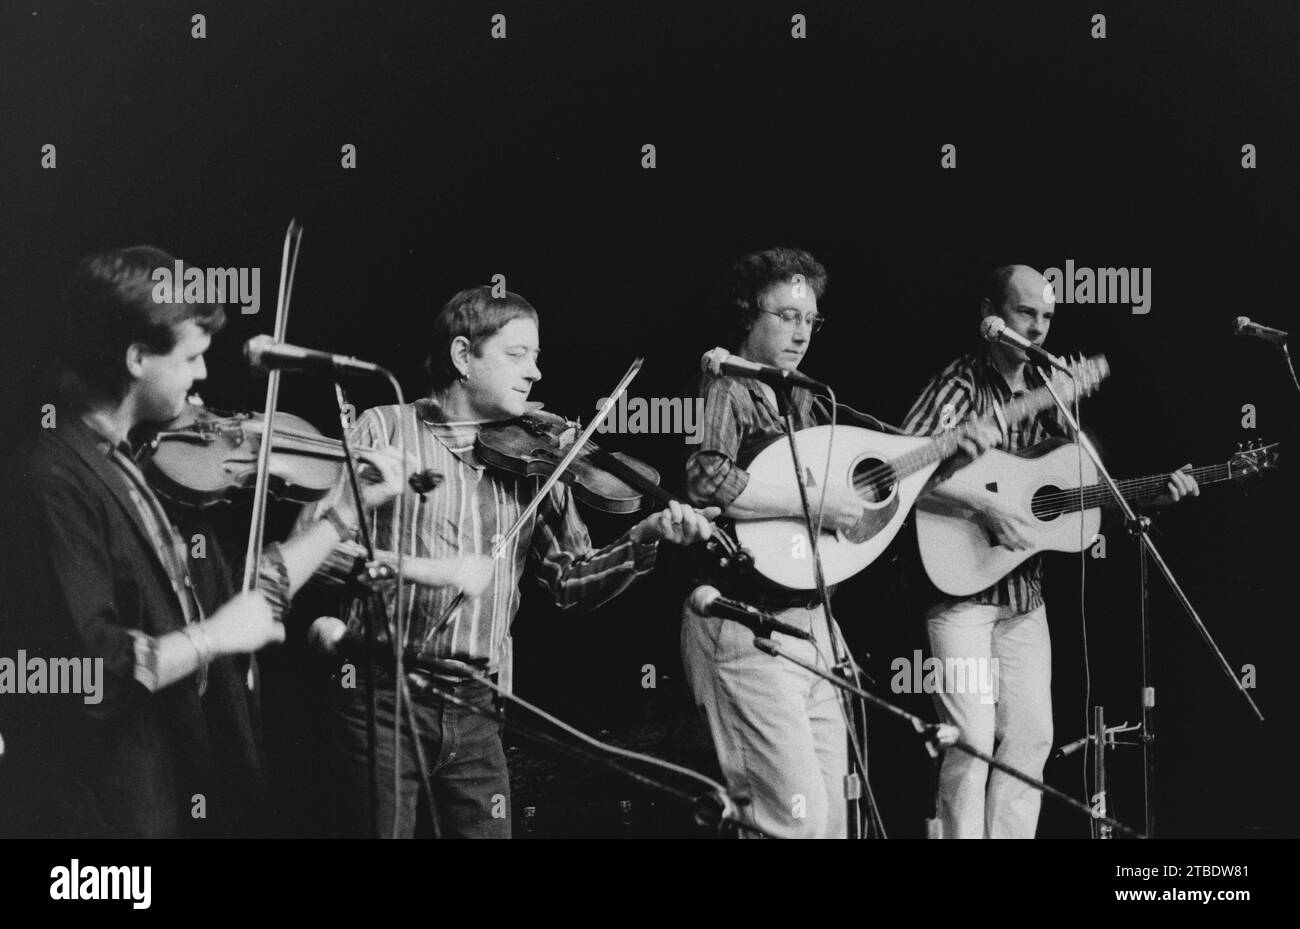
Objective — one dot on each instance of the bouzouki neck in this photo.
(1035, 401)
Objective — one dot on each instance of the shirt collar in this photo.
(106, 443)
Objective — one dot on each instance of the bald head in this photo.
(1024, 300)
(1017, 284)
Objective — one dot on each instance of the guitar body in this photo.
(958, 554)
(780, 546)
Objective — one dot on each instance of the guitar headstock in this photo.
(1254, 458)
(1088, 375)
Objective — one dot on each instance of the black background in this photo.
(522, 157)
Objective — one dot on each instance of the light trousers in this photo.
(777, 729)
(1015, 726)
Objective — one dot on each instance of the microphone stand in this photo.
(1286, 353)
(940, 735)
(357, 588)
(1139, 526)
(855, 721)
(361, 585)
(711, 809)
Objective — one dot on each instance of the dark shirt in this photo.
(84, 578)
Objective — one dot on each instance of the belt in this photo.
(423, 681)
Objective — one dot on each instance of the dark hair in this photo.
(754, 275)
(109, 306)
(477, 315)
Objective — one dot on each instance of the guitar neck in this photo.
(1137, 488)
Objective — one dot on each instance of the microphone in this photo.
(1067, 750)
(994, 329)
(710, 602)
(266, 354)
(721, 361)
(1255, 330)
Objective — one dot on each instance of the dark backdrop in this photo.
(523, 156)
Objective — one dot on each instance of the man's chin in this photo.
(516, 405)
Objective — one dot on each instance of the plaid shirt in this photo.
(739, 422)
(969, 389)
(466, 514)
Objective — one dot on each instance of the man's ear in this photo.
(135, 353)
(459, 352)
(986, 307)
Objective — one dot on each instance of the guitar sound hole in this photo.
(1043, 508)
(873, 480)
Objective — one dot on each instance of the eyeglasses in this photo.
(790, 316)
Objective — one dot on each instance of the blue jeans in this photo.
(466, 764)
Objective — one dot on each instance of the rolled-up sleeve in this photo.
(713, 478)
(569, 569)
(340, 565)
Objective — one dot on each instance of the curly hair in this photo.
(750, 277)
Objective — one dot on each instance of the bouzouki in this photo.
(887, 471)
(1043, 484)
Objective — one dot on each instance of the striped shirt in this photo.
(466, 514)
(968, 389)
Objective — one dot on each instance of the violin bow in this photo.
(550, 482)
(257, 525)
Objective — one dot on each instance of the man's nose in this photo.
(533, 373)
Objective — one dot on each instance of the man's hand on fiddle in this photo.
(380, 477)
(679, 524)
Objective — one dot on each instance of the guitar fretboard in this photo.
(1137, 488)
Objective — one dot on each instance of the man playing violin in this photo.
(1007, 622)
(483, 365)
(97, 571)
(778, 730)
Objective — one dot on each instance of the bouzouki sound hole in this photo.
(873, 480)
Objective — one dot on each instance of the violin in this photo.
(533, 444)
(202, 457)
